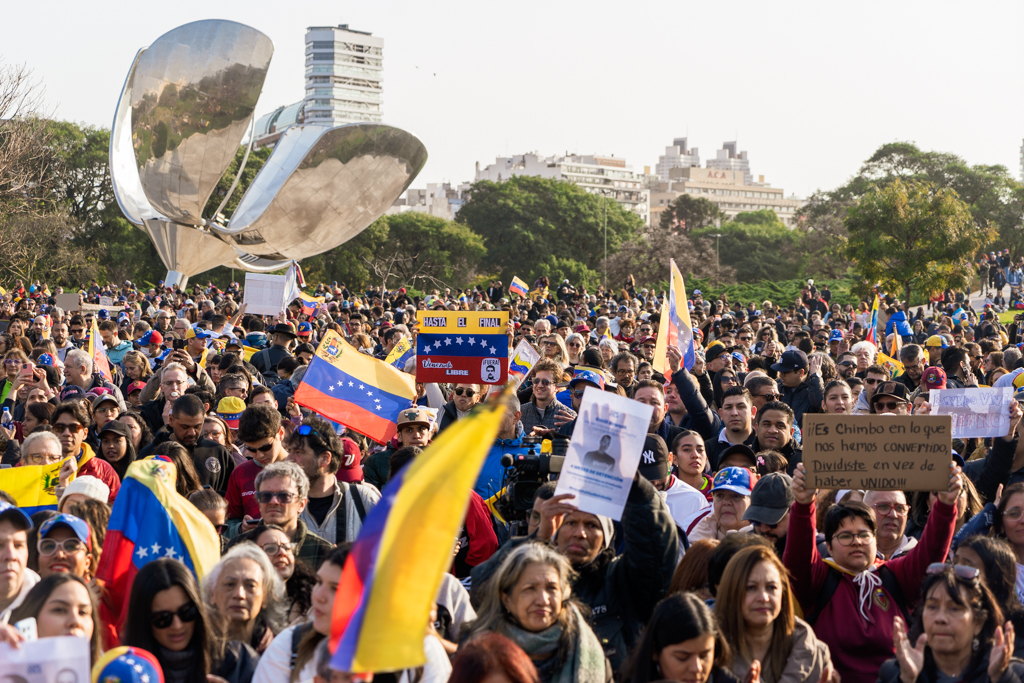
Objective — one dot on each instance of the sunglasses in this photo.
(961, 571)
(48, 546)
(770, 397)
(272, 549)
(543, 382)
(459, 391)
(872, 382)
(306, 430)
(61, 428)
(265, 448)
(887, 405)
(187, 613)
(264, 497)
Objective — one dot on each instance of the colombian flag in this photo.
(680, 329)
(518, 287)
(100, 363)
(391, 577)
(873, 325)
(150, 521)
(359, 391)
(310, 303)
(33, 486)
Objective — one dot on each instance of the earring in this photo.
(974, 644)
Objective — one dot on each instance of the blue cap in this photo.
(15, 514)
(103, 314)
(127, 665)
(736, 479)
(837, 335)
(45, 359)
(587, 375)
(78, 525)
(305, 328)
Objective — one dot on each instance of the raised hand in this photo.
(803, 494)
(910, 657)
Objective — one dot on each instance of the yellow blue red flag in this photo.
(870, 336)
(680, 329)
(391, 577)
(518, 287)
(359, 391)
(100, 362)
(32, 486)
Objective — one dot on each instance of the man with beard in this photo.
(775, 433)
(891, 512)
(214, 464)
(770, 501)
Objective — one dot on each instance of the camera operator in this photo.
(510, 441)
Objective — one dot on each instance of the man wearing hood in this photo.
(898, 321)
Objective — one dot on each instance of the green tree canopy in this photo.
(689, 213)
(910, 236)
(757, 245)
(525, 222)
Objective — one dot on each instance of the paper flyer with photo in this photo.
(604, 452)
(61, 659)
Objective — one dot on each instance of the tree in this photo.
(40, 247)
(24, 137)
(690, 213)
(910, 236)
(757, 246)
(646, 258)
(526, 221)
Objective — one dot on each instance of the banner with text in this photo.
(462, 347)
(877, 452)
(975, 412)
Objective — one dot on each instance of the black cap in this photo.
(897, 390)
(714, 351)
(770, 499)
(790, 361)
(115, 427)
(741, 449)
(654, 458)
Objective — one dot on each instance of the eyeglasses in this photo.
(887, 405)
(728, 380)
(60, 428)
(1013, 513)
(459, 391)
(871, 381)
(650, 347)
(543, 382)
(846, 538)
(272, 549)
(187, 613)
(961, 571)
(48, 546)
(548, 343)
(264, 497)
(885, 508)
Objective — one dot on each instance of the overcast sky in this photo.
(810, 89)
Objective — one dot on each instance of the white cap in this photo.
(87, 486)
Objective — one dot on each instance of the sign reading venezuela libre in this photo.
(462, 347)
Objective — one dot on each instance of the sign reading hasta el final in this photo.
(462, 347)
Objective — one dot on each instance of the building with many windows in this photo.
(677, 156)
(344, 76)
(438, 199)
(730, 159)
(606, 176)
(728, 189)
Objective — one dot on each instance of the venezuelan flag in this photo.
(150, 521)
(660, 360)
(518, 287)
(32, 486)
(100, 363)
(680, 329)
(391, 577)
(310, 303)
(873, 325)
(349, 387)
(401, 354)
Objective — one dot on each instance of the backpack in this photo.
(833, 580)
(270, 378)
(341, 517)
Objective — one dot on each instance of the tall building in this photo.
(607, 176)
(677, 156)
(344, 76)
(729, 159)
(727, 189)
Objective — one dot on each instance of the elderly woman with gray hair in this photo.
(247, 592)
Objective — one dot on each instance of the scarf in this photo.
(585, 664)
(176, 665)
(866, 581)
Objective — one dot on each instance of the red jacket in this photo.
(482, 540)
(241, 493)
(101, 469)
(860, 647)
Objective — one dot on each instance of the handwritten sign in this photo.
(975, 412)
(878, 452)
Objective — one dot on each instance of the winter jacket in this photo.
(449, 414)
(116, 354)
(792, 454)
(699, 417)
(478, 540)
(492, 474)
(859, 646)
(343, 495)
(994, 469)
(808, 658)
(99, 468)
(899, 321)
(804, 398)
(977, 671)
(532, 416)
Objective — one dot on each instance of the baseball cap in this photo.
(937, 341)
(305, 329)
(15, 514)
(115, 427)
(587, 374)
(714, 351)
(933, 378)
(197, 333)
(103, 314)
(897, 390)
(127, 665)
(739, 449)
(77, 525)
(72, 392)
(413, 416)
(351, 470)
(136, 386)
(770, 499)
(736, 479)
(230, 409)
(791, 361)
(151, 337)
(836, 335)
(654, 458)
(45, 359)
(104, 398)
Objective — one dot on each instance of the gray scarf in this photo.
(586, 663)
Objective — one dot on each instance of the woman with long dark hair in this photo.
(116, 446)
(167, 617)
(994, 558)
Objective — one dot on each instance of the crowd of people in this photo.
(725, 565)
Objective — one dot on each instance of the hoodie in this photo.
(899, 321)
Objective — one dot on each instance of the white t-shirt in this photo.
(683, 501)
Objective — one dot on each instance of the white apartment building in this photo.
(438, 199)
(730, 159)
(607, 176)
(728, 189)
(344, 76)
(677, 156)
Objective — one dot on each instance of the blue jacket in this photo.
(116, 354)
(492, 474)
(899, 319)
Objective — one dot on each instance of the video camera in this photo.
(524, 474)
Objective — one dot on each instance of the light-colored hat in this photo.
(88, 486)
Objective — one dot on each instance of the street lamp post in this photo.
(717, 242)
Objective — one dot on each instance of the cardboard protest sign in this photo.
(462, 347)
(68, 302)
(975, 412)
(59, 659)
(877, 452)
(604, 452)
